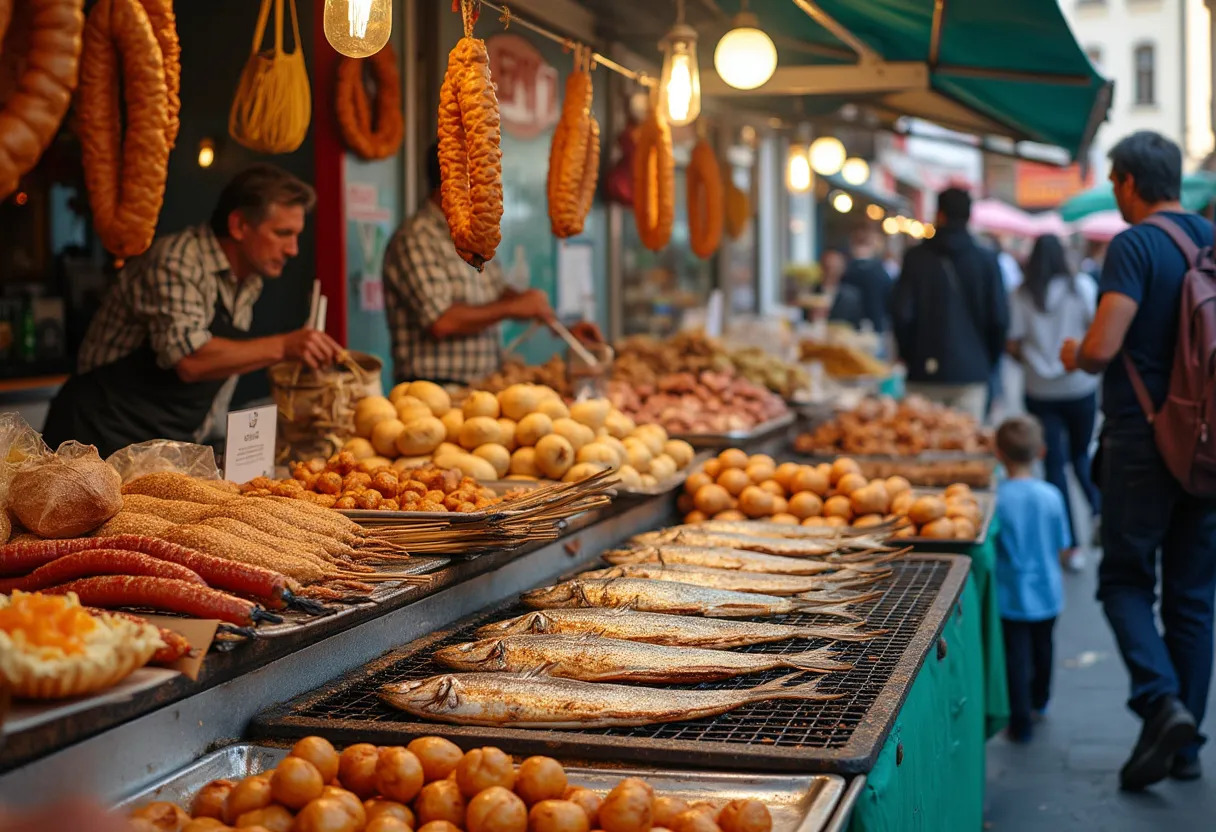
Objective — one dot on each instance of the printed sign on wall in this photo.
(527, 86)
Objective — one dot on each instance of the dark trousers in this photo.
(1028, 657)
(1068, 427)
(1146, 512)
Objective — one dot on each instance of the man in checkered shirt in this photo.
(444, 315)
(163, 353)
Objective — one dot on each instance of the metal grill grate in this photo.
(841, 735)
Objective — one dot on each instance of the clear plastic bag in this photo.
(160, 455)
(18, 443)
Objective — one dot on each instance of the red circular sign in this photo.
(527, 86)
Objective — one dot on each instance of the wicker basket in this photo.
(317, 407)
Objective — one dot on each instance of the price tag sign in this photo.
(249, 450)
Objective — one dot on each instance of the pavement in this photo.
(1066, 778)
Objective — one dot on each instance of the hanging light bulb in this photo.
(745, 57)
(929, 231)
(916, 230)
(680, 83)
(890, 226)
(842, 202)
(875, 212)
(798, 170)
(358, 28)
(206, 153)
(827, 155)
(855, 170)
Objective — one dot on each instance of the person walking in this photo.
(1148, 518)
(949, 312)
(866, 274)
(1053, 304)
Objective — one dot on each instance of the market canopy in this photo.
(1198, 189)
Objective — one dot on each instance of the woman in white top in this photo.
(1052, 304)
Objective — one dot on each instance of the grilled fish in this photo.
(593, 658)
(819, 589)
(789, 547)
(531, 700)
(719, 558)
(675, 630)
(677, 598)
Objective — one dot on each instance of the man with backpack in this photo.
(949, 312)
(1156, 463)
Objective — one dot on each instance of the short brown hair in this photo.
(1020, 439)
(254, 190)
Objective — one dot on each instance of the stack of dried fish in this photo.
(666, 611)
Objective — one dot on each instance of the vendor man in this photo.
(444, 315)
(164, 351)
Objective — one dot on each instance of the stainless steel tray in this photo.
(798, 803)
(987, 503)
(721, 440)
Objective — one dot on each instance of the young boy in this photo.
(1033, 532)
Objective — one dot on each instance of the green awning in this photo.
(1010, 69)
(1198, 189)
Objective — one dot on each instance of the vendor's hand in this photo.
(313, 347)
(587, 332)
(68, 814)
(532, 304)
(1070, 352)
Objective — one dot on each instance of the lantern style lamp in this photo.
(745, 57)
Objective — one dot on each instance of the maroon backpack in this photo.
(1182, 426)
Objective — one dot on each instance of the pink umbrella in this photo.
(996, 217)
(1050, 223)
(1102, 226)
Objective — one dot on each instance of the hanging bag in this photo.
(273, 103)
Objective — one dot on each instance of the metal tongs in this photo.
(561, 332)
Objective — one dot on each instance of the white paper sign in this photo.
(249, 451)
(714, 314)
(575, 286)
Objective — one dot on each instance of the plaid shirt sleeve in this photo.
(171, 296)
(420, 274)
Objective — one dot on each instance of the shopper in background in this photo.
(949, 312)
(865, 273)
(1145, 509)
(1033, 534)
(75, 814)
(1052, 305)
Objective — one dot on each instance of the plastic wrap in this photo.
(18, 442)
(159, 455)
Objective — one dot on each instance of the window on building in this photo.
(1094, 53)
(1145, 62)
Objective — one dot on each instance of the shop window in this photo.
(1145, 63)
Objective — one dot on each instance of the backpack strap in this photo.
(1190, 251)
(1142, 395)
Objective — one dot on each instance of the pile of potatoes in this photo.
(523, 432)
(735, 486)
(432, 786)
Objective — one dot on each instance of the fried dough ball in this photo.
(627, 808)
(745, 816)
(325, 815)
(296, 782)
(695, 821)
(587, 800)
(357, 768)
(205, 825)
(558, 816)
(496, 809)
(437, 755)
(378, 806)
(540, 778)
(247, 795)
(209, 802)
(666, 808)
(349, 801)
(273, 818)
(440, 800)
(482, 768)
(320, 752)
(439, 826)
(329, 483)
(399, 774)
(386, 823)
(162, 816)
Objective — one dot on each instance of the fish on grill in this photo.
(812, 547)
(719, 558)
(534, 700)
(594, 658)
(833, 589)
(675, 630)
(677, 598)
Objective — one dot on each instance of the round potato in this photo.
(209, 802)
(399, 774)
(745, 816)
(558, 816)
(357, 769)
(440, 800)
(587, 800)
(496, 809)
(627, 808)
(483, 768)
(320, 752)
(540, 778)
(437, 755)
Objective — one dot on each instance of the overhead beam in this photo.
(849, 79)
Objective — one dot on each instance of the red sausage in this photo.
(163, 594)
(99, 562)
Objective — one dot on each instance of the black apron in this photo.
(133, 399)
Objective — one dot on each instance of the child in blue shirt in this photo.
(1034, 530)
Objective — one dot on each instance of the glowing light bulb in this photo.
(890, 226)
(929, 231)
(842, 202)
(855, 170)
(745, 57)
(206, 153)
(827, 155)
(916, 230)
(875, 212)
(358, 28)
(798, 171)
(681, 79)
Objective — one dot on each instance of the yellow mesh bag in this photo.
(273, 102)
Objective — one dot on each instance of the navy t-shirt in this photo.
(1145, 264)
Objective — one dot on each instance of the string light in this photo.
(890, 226)
(798, 170)
(827, 155)
(206, 153)
(842, 202)
(855, 170)
(875, 212)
